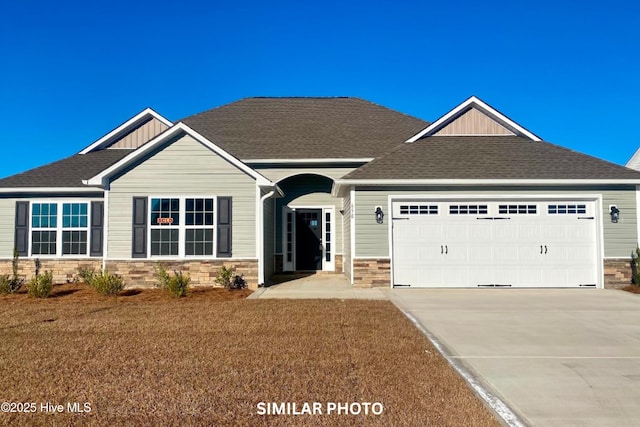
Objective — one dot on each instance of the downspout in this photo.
(260, 240)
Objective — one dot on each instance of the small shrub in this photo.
(86, 274)
(11, 285)
(104, 282)
(224, 277)
(229, 280)
(41, 285)
(635, 267)
(176, 284)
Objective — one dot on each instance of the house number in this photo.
(164, 220)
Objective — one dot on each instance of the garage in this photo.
(495, 243)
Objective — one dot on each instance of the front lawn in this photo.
(212, 358)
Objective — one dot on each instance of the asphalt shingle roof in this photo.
(67, 172)
(305, 128)
(488, 157)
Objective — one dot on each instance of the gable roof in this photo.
(305, 128)
(634, 161)
(125, 128)
(65, 173)
(509, 158)
(477, 104)
(180, 129)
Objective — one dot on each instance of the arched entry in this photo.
(305, 223)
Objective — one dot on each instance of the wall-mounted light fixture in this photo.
(379, 215)
(615, 213)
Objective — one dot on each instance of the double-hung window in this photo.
(181, 226)
(59, 228)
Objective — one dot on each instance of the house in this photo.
(343, 185)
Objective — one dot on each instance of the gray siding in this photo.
(8, 220)
(372, 239)
(346, 229)
(324, 199)
(269, 238)
(185, 167)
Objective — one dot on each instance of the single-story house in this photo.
(342, 185)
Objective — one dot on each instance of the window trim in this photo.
(182, 227)
(59, 227)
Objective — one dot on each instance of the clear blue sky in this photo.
(71, 71)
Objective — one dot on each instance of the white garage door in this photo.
(494, 244)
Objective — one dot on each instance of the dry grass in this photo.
(209, 359)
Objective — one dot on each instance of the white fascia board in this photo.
(308, 161)
(132, 122)
(49, 190)
(505, 182)
(474, 102)
(102, 177)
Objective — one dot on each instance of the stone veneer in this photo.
(64, 270)
(138, 273)
(371, 273)
(617, 273)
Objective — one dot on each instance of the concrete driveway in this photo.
(557, 357)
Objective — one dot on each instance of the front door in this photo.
(309, 239)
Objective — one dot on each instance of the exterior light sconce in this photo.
(379, 215)
(615, 213)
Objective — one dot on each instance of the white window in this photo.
(59, 228)
(181, 226)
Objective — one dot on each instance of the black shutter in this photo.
(224, 227)
(21, 240)
(139, 238)
(96, 229)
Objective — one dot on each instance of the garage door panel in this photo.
(537, 246)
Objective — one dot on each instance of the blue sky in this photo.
(72, 71)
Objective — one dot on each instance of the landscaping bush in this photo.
(229, 280)
(176, 284)
(635, 267)
(11, 284)
(103, 281)
(41, 285)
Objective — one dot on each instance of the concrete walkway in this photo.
(319, 286)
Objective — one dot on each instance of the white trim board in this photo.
(123, 128)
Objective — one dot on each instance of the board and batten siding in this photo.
(140, 135)
(372, 239)
(474, 122)
(346, 232)
(183, 168)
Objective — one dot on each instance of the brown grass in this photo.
(209, 359)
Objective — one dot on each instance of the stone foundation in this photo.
(617, 273)
(371, 273)
(64, 270)
(140, 273)
(136, 274)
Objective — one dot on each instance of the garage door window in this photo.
(418, 209)
(467, 209)
(567, 209)
(518, 209)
